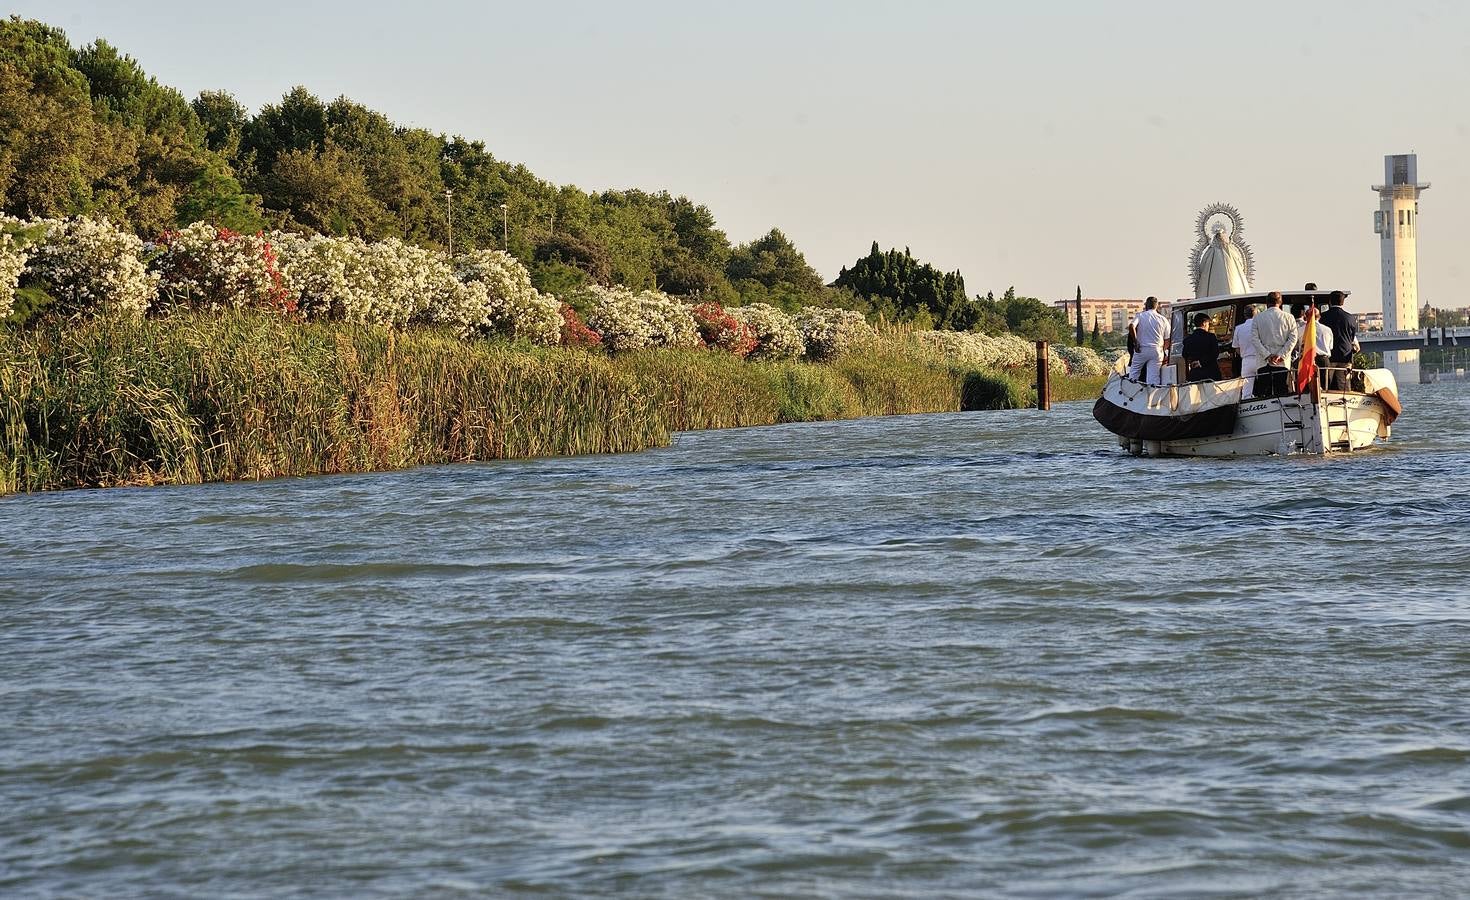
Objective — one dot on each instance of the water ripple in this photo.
(970, 655)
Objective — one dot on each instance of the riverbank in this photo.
(246, 395)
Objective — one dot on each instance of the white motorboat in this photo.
(1340, 411)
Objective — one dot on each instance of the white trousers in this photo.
(1249, 366)
(1147, 365)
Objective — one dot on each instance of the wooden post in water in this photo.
(1043, 376)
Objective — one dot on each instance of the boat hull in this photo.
(1212, 420)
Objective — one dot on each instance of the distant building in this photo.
(1396, 222)
(1110, 315)
(1370, 321)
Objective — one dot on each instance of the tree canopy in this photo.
(87, 132)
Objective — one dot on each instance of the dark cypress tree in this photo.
(1079, 315)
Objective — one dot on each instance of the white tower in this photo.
(1397, 225)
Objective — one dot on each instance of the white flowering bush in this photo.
(396, 283)
(826, 333)
(636, 321)
(495, 295)
(204, 267)
(1004, 351)
(1082, 361)
(318, 273)
(87, 264)
(776, 335)
(1008, 351)
(13, 256)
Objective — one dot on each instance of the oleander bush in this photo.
(203, 267)
(827, 333)
(722, 331)
(574, 332)
(641, 320)
(14, 252)
(500, 299)
(775, 334)
(89, 265)
(1082, 361)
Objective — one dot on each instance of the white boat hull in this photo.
(1282, 426)
(1210, 419)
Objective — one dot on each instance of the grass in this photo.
(199, 398)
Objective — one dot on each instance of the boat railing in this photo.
(1282, 383)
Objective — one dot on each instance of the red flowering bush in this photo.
(574, 332)
(723, 331)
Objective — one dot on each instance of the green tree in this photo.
(324, 190)
(224, 121)
(174, 175)
(770, 269)
(910, 286)
(56, 158)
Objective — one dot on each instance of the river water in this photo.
(982, 654)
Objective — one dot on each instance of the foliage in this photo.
(629, 320)
(775, 334)
(245, 393)
(719, 329)
(88, 133)
(1082, 361)
(1004, 351)
(241, 394)
(771, 270)
(826, 333)
(400, 282)
(87, 265)
(1026, 316)
(582, 254)
(574, 332)
(986, 391)
(13, 255)
(500, 299)
(899, 287)
(204, 267)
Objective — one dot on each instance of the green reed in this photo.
(197, 398)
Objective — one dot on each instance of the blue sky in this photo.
(1040, 145)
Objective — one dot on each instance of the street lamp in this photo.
(449, 205)
(505, 226)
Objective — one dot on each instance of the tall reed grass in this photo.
(246, 395)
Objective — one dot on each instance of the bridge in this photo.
(1423, 339)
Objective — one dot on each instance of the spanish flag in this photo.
(1306, 370)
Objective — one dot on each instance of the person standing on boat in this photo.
(1202, 351)
(1273, 335)
(1344, 328)
(1249, 362)
(1322, 350)
(1297, 311)
(1151, 329)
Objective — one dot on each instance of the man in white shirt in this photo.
(1273, 334)
(1152, 332)
(1241, 341)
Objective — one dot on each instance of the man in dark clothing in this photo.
(1344, 326)
(1202, 351)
